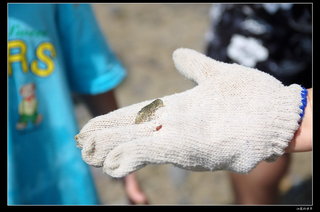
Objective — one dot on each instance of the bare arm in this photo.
(302, 140)
(101, 104)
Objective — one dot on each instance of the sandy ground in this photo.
(144, 36)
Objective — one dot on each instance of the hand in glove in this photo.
(234, 118)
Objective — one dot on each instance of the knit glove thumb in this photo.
(234, 118)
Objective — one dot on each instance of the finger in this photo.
(121, 117)
(131, 156)
(97, 144)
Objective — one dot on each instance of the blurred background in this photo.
(144, 36)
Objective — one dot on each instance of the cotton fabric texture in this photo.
(233, 119)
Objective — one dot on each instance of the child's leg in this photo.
(261, 185)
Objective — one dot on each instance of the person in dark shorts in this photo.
(276, 39)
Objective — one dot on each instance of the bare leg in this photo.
(261, 185)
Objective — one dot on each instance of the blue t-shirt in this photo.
(53, 49)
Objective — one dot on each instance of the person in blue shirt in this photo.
(54, 50)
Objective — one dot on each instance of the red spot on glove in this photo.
(158, 127)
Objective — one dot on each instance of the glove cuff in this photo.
(292, 102)
(304, 95)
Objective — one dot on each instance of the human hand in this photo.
(233, 119)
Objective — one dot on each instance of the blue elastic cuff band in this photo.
(304, 94)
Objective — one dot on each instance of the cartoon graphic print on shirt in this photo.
(28, 107)
(42, 66)
(29, 49)
(30, 55)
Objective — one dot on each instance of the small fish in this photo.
(147, 112)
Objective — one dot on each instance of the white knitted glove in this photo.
(233, 119)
